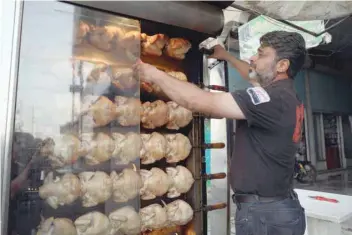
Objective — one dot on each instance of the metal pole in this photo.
(310, 124)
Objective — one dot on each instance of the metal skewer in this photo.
(211, 146)
(221, 175)
(207, 208)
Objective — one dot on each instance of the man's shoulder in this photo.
(283, 92)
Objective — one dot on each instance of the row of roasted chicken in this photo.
(129, 111)
(123, 221)
(124, 78)
(95, 187)
(100, 147)
(107, 38)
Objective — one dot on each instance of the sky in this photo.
(45, 70)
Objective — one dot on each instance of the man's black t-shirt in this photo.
(266, 142)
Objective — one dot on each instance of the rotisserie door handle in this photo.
(217, 88)
(217, 206)
(215, 176)
(214, 145)
(202, 115)
(211, 146)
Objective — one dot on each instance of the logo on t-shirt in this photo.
(258, 95)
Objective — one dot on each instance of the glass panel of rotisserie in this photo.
(76, 149)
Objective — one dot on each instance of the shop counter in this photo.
(326, 217)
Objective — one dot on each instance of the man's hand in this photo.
(219, 53)
(146, 72)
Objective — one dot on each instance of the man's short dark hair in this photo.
(288, 45)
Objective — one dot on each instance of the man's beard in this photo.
(264, 78)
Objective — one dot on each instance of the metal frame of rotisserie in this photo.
(11, 23)
(194, 15)
(195, 162)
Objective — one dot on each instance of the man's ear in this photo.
(282, 66)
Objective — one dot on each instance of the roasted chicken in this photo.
(56, 226)
(128, 111)
(88, 100)
(177, 48)
(153, 217)
(96, 188)
(98, 147)
(99, 74)
(131, 42)
(131, 38)
(125, 185)
(125, 221)
(154, 114)
(123, 78)
(178, 116)
(81, 32)
(93, 223)
(97, 112)
(153, 148)
(181, 180)
(153, 45)
(179, 212)
(127, 147)
(153, 88)
(63, 190)
(61, 151)
(155, 183)
(106, 37)
(178, 147)
(120, 77)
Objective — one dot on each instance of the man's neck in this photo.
(279, 77)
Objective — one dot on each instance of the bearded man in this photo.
(269, 120)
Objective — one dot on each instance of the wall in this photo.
(236, 82)
(347, 136)
(330, 94)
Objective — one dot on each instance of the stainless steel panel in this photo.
(217, 190)
(192, 15)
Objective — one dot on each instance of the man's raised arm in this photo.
(217, 104)
(241, 66)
